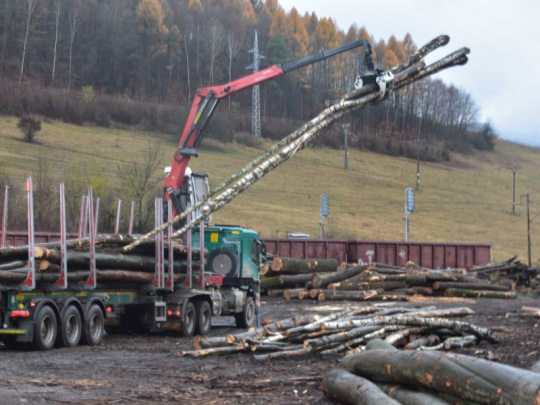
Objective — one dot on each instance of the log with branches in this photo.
(351, 329)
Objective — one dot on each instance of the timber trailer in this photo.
(55, 309)
(64, 313)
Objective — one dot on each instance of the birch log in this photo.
(313, 129)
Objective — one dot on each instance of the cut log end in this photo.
(277, 264)
(196, 342)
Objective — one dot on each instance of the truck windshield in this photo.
(256, 252)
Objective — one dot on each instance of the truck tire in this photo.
(248, 317)
(223, 261)
(94, 326)
(204, 317)
(45, 329)
(189, 317)
(70, 327)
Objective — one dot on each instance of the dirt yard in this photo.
(146, 369)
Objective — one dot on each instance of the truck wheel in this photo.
(71, 327)
(46, 329)
(204, 318)
(246, 318)
(94, 326)
(223, 261)
(188, 319)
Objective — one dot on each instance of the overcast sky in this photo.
(502, 75)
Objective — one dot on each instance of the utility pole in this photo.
(528, 228)
(514, 169)
(418, 165)
(418, 155)
(346, 142)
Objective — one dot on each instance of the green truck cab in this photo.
(234, 251)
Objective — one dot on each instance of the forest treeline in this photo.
(139, 62)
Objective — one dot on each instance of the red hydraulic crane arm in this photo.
(197, 121)
(207, 98)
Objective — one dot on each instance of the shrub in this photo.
(220, 129)
(101, 116)
(245, 138)
(277, 129)
(74, 113)
(29, 127)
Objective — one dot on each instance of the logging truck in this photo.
(165, 286)
(60, 307)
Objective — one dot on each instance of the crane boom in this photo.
(206, 100)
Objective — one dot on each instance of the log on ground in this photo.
(462, 376)
(346, 388)
(321, 280)
(455, 292)
(303, 266)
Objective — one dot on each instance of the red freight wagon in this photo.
(426, 254)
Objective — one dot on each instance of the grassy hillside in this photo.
(466, 200)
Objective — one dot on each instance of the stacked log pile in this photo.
(384, 375)
(511, 271)
(350, 330)
(325, 280)
(113, 265)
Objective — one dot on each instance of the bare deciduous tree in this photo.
(31, 8)
(216, 42)
(232, 48)
(73, 25)
(140, 181)
(56, 15)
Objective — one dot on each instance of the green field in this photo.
(466, 200)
